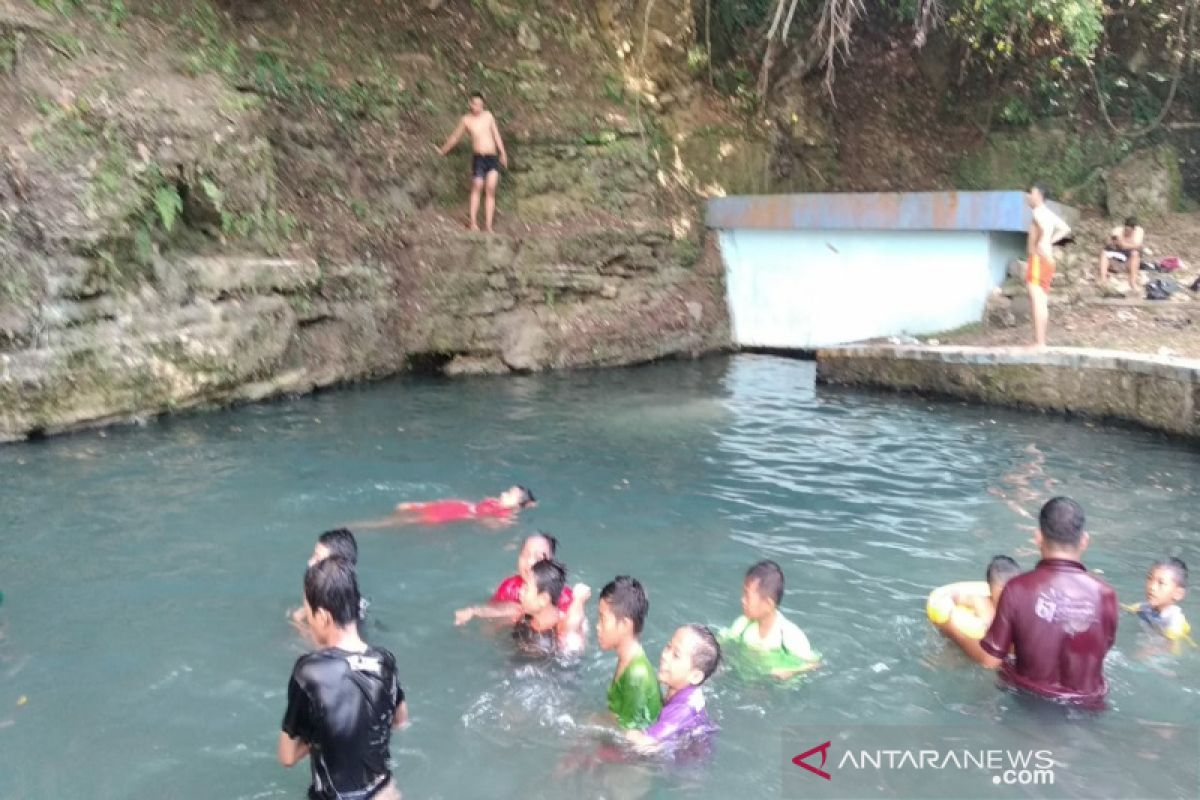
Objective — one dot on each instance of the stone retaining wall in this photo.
(1161, 393)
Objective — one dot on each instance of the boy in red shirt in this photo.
(490, 510)
(506, 600)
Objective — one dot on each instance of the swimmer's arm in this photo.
(786, 673)
(970, 646)
(641, 740)
(493, 611)
(291, 751)
(454, 137)
(576, 616)
(499, 143)
(401, 717)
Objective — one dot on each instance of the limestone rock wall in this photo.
(168, 241)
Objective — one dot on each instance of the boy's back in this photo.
(343, 703)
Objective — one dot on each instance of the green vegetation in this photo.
(1068, 163)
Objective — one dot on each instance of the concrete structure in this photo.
(1161, 393)
(805, 271)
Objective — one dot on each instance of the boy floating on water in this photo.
(965, 617)
(764, 630)
(506, 600)
(687, 662)
(543, 627)
(495, 510)
(344, 699)
(633, 694)
(1166, 585)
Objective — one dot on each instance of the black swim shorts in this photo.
(482, 165)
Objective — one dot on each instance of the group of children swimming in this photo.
(1046, 630)
(344, 699)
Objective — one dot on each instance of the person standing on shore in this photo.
(1045, 229)
(488, 157)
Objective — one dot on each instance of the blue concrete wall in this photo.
(914, 211)
(803, 289)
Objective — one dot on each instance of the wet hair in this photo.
(770, 580)
(527, 498)
(340, 542)
(331, 585)
(550, 577)
(1061, 522)
(1176, 567)
(1041, 189)
(1002, 568)
(550, 540)
(1131, 222)
(706, 653)
(477, 94)
(627, 599)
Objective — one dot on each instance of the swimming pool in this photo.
(147, 571)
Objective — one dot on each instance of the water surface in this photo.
(147, 571)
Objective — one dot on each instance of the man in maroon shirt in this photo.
(1059, 620)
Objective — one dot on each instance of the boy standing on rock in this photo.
(489, 156)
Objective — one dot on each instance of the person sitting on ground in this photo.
(633, 695)
(1000, 570)
(1166, 585)
(345, 698)
(506, 600)
(1058, 621)
(338, 542)
(1124, 245)
(543, 627)
(496, 510)
(764, 630)
(688, 660)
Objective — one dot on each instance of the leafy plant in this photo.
(168, 204)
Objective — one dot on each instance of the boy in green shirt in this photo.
(633, 694)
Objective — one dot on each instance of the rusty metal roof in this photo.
(909, 211)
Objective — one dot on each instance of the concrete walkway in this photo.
(1158, 392)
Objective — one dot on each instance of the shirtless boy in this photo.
(1124, 245)
(489, 156)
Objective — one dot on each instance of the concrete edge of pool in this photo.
(1161, 393)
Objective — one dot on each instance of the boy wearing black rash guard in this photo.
(344, 699)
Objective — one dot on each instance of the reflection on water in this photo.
(147, 572)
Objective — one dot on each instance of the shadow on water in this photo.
(147, 572)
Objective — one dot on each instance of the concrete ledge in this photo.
(1160, 393)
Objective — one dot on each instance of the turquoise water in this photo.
(147, 571)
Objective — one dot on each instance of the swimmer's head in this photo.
(689, 658)
(517, 497)
(339, 542)
(538, 547)
(1000, 570)
(549, 578)
(475, 103)
(1060, 529)
(331, 597)
(1166, 583)
(762, 590)
(622, 612)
